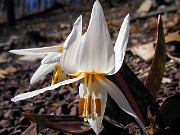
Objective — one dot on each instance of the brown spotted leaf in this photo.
(67, 124)
(138, 96)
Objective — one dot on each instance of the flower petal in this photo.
(53, 57)
(43, 70)
(71, 48)
(36, 92)
(116, 94)
(96, 51)
(96, 123)
(75, 33)
(36, 51)
(121, 44)
(120, 99)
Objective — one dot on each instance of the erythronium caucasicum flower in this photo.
(50, 61)
(45, 67)
(90, 58)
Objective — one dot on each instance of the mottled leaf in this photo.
(138, 96)
(67, 124)
(156, 72)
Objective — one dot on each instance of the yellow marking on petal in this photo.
(98, 106)
(81, 105)
(76, 74)
(89, 104)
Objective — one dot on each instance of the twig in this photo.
(173, 58)
(155, 13)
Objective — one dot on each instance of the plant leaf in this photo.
(67, 124)
(156, 72)
(170, 111)
(138, 96)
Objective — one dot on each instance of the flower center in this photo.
(90, 103)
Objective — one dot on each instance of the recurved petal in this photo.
(96, 53)
(68, 60)
(53, 57)
(36, 92)
(97, 121)
(36, 51)
(121, 44)
(116, 94)
(43, 70)
(120, 99)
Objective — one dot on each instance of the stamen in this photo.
(96, 92)
(81, 105)
(74, 85)
(92, 109)
(89, 104)
(55, 78)
(60, 74)
(85, 84)
(98, 106)
(85, 107)
(61, 49)
(54, 74)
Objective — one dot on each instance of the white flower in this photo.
(52, 58)
(90, 60)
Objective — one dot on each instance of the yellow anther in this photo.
(81, 105)
(54, 75)
(89, 104)
(84, 111)
(92, 109)
(96, 92)
(98, 106)
(59, 74)
(61, 49)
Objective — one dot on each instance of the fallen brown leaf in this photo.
(145, 6)
(144, 51)
(11, 69)
(166, 80)
(173, 37)
(31, 130)
(3, 72)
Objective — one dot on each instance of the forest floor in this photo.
(50, 28)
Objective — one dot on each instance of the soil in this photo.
(53, 27)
